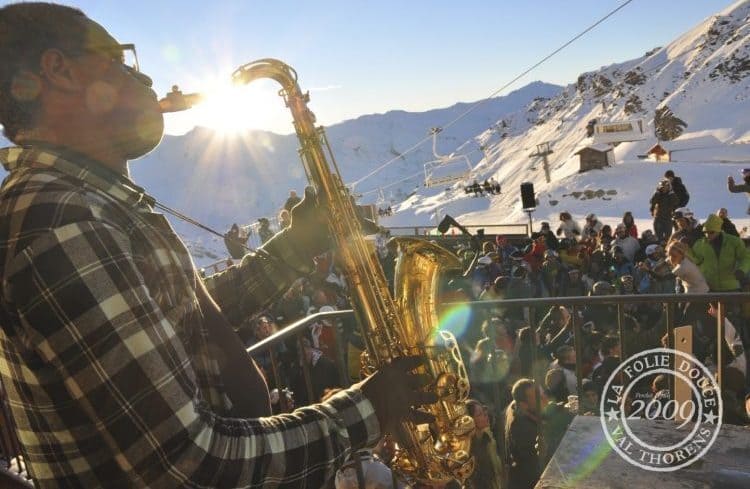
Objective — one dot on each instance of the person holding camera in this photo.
(743, 187)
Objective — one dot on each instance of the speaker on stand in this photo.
(528, 200)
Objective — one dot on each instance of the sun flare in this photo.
(231, 109)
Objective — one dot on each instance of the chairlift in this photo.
(381, 201)
(445, 169)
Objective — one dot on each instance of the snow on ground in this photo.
(634, 182)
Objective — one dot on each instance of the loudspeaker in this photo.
(527, 195)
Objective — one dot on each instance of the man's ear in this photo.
(57, 69)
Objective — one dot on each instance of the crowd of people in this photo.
(523, 373)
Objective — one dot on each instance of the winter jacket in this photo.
(550, 240)
(629, 245)
(632, 230)
(690, 277)
(592, 229)
(719, 271)
(569, 229)
(729, 227)
(663, 204)
(683, 197)
(535, 257)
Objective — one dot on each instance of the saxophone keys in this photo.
(463, 427)
(445, 387)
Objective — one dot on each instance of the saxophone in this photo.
(393, 326)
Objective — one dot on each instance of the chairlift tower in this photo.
(543, 150)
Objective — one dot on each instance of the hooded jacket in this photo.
(719, 270)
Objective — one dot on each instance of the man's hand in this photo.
(395, 393)
(740, 276)
(308, 235)
(305, 238)
(309, 224)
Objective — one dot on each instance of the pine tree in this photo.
(668, 126)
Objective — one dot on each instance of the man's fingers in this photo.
(418, 381)
(420, 417)
(421, 398)
(407, 364)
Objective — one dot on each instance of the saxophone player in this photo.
(109, 340)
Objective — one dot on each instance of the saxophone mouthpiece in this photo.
(176, 101)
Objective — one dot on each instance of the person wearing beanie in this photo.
(722, 258)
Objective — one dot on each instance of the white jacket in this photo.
(690, 277)
(569, 229)
(629, 245)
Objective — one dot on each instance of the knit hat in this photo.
(713, 223)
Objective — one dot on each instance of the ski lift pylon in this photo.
(445, 169)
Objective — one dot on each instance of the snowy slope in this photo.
(702, 77)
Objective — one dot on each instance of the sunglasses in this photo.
(124, 55)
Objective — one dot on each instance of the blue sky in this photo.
(360, 57)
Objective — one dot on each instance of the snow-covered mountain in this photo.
(703, 78)
(220, 179)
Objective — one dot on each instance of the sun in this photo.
(231, 109)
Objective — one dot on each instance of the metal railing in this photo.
(668, 301)
(489, 229)
(534, 309)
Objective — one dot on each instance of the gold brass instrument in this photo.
(393, 326)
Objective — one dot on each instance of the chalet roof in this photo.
(658, 148)
(688, 144)
(600, 148)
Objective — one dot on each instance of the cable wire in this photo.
(485, 100)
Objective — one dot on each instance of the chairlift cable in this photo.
(485, 100)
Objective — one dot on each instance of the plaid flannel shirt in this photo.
(103, 352)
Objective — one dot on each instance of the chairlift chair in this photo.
(445, 169)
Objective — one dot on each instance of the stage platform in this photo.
(585, 460)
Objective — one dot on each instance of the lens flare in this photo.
(456, 320)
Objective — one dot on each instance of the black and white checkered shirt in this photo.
(103, 349)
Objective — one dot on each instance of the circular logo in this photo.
(692, 406)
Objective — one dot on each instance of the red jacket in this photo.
(535, 257)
